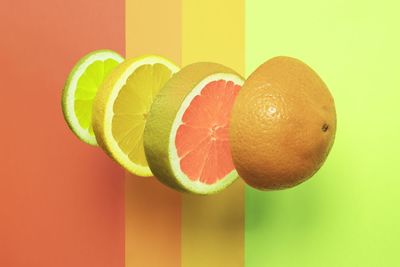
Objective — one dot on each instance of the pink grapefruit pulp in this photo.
(202, 139)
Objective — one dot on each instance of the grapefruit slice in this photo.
(186, 133)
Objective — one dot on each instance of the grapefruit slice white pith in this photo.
(186, 134)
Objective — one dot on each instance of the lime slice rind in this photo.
(69, 92)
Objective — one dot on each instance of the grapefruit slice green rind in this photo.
(189, 118)
(81, 88)
(121, 106)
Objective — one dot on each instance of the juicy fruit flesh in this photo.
(86, 90)
(202, 139)
(132, 106)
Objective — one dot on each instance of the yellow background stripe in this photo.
(213, 226)
(152, 211)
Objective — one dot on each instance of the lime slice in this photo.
(121, 106)
(81, 88)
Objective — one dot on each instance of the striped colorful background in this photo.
(63, 203)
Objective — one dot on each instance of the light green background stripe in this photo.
(348, 214)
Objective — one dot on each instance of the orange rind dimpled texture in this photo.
(283, 124)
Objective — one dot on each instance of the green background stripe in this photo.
(348, 214)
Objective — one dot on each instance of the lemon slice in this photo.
(121, 107)
(81, 88)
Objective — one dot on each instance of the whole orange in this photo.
(283, 124)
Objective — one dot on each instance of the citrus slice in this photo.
(186, 135)
(81, 88)
(121, 106)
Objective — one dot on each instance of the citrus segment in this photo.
(81, 88)
(122, 106)
(87, 87)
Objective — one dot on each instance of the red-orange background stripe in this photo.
(61, 201)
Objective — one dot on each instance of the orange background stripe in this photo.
(61, 201)
(213, 226)
(153, 211)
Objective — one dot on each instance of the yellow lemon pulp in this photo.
(121, 106)
(132, 106)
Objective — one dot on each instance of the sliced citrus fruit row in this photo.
(186, 134)
(81, 88)
(121, 108)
